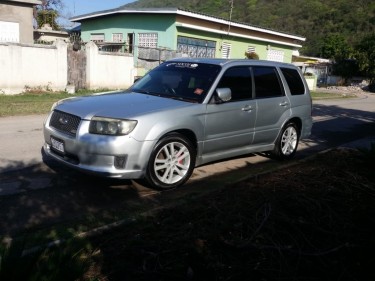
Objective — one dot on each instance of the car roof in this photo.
(223, 62)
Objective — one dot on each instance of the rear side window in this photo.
(267, 82)
(238, 79)
(294, 81)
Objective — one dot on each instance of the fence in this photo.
(32, 66)
(42, 66)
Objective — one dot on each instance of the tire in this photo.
(171, 163)
(287, 142)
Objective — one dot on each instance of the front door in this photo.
(230, 125)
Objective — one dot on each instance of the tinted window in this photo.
(238, 79)
(179, 80)
(294, 81)
(267, 82)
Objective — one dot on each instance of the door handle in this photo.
(284, 103)
(247, 108)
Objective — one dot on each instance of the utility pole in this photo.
(231, 2)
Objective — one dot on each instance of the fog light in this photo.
(120, 162)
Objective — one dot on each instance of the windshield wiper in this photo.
(146, 92)
(182, 98)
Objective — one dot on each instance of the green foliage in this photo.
(335, 47)
(47, 13)
(366, 56)
(346, 68)
(252, 55)
(47, 17)
(36, 100)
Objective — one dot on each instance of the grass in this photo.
(40, 102)
(35, 102)
(309, 221)
(323, 95)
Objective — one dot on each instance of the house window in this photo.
(251, 49)
(196, 48)
(97, 37)
(149, 40)
(275, 55)
(117, 37)
(225, 50)
(9, 32)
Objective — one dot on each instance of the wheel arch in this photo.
(189, 134)
(298, 122)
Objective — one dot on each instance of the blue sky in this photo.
(80, 7)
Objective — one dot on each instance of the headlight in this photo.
(109, 126)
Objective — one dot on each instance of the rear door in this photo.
(273, 105)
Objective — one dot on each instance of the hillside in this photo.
(313, 19)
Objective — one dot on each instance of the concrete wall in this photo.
(108, 70)
(311, 82)
(32, 66)
(46, 67)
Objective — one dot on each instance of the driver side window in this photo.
(238, 79)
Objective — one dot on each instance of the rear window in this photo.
(294, 81)
(267, 82)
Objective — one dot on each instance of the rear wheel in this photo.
(171, 162)
(287, 142)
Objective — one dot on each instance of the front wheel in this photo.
(287, 142)
(171, 162)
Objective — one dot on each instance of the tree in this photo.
(47, 13)
(365, 54)
(335, 47)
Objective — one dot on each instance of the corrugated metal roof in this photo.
(32, 2)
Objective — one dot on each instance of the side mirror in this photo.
(224, 94)
(136, 78)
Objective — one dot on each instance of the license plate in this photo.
(57, 145)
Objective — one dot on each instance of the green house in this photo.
(189, 33)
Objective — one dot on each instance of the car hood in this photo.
(118, 105)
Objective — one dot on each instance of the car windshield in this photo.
(178, 80)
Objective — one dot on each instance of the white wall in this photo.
(38, 66)
(108, 70)
(30, 66)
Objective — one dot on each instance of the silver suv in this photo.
(182, 114)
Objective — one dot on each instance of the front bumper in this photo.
(109, 156)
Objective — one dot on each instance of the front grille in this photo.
(65, 122)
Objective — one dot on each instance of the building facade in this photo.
(190, 33)
(16, 21)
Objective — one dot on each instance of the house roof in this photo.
(31, 2)
(178, 11)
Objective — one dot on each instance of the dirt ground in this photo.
(311, 221)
